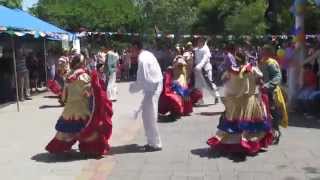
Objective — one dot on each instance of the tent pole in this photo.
(15, 72)
(45, 58)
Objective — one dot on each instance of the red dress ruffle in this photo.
(170, 101)
(196, 95)
(54, 87)
(100, 123)
(248, 147)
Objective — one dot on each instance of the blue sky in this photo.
(28, 3)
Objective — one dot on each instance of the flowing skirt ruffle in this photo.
(244, 127)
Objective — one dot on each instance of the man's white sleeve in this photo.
(138, 84)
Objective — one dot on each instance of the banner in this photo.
(36, 34)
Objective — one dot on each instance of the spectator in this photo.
(51, 64)
(22, 76)
(133, 67)
(126, 58)
(308, 88)
(309, 81)
(111, 62)
(6, 76)
(34, 69)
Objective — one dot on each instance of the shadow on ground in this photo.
(126, 149)
(50, 106)
(166, 119)
(214, 154)
(77, 156)
(66, 157)
(210, 113)
(313, 171)
(6, 104)
(304, 121)
(203, 105)
(51, 97)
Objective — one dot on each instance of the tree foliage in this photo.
(248, 20)
(98, 15)
(312, 16)
(175, 16)
(11, 3)
(223, 17)
(169, 16)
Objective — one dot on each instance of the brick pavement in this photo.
(185, 154)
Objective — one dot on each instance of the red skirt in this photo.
(175, 104)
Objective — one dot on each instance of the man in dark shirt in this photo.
(271, 80)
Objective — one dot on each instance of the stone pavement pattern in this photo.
(24, 135)
(184, 157)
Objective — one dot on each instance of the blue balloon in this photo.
(318, 2)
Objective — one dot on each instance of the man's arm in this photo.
(138, 84)
(203, 62)
(275, 77)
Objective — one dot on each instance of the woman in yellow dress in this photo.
(77, 122)
(244, 127)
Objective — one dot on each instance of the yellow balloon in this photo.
(295, 39)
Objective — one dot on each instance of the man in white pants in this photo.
(111, 62)
(149, 80)
(203, 70)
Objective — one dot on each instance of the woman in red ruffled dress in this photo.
(245, 126)
(175, 97)
(86, 116)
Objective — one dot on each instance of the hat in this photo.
(189, 43)
(179, 60)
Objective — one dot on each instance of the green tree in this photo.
(213, 15)
(174, 16)
(286, 19)
(11, 3)
(312, 16)
(169, 16)
(249, 20)
(210, 18)
(95, 15)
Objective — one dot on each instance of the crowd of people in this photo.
(249, 80)
(254, 103)
(31, 76)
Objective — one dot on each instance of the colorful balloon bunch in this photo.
(284, 56)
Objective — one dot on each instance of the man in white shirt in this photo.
(149, 80)
(111, 73)
(203, 70)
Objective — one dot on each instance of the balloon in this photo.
(318, 2)
(294, 39)
(281, 53)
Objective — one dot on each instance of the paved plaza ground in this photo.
(185, 155)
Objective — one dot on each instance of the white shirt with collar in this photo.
(202, 58)
(149, 74)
